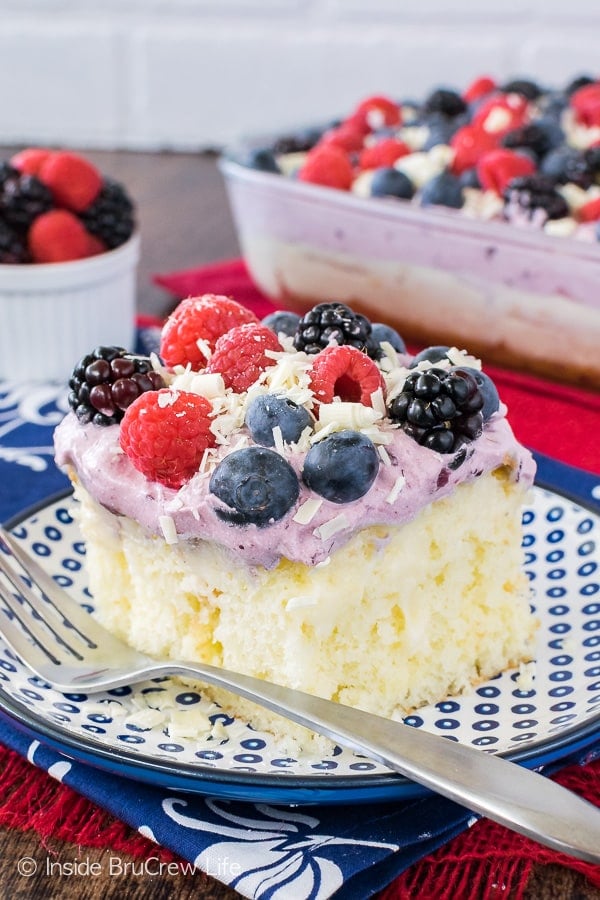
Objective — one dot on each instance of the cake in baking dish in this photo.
(480, 200)
(302, 500)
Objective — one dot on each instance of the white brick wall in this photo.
(190, 74)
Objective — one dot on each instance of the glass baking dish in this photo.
(516, 297)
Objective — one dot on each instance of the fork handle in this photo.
(516, 797)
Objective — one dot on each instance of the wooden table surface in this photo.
(185, 221)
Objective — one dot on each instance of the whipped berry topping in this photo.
(285, 445)
(513, 152)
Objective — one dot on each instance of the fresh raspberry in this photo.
(165, 433)
(58, 236)
(469, 144)
(501, 113)
(30, 160)
(498, 167)
(328, 166)
(479, 88)
(590, 211)
(383, 154)
(376, 112)
(345, 372)
(586, 104)
(240, 355)
(95, 245)
(73, 180)
(346, 136)
(202, 319)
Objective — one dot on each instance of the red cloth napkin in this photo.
(558, 420)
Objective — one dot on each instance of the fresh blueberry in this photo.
(390, 182)
(431, 354)
(443, 190)
(488, 390)
(256, 485)
(381, 332)
(261, 158)
(553, 131)
(282, 322)
(598, 230)
(267, 411)
(565, 164)
(469, 178)
(552, 105)
(439, 133)
(341, 467)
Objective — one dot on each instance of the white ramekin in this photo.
(53, 314)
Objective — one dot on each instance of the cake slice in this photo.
(314, 506)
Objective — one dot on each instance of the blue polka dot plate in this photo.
(536, 716)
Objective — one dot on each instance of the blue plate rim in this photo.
(553, 475)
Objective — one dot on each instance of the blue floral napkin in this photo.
(261, 850)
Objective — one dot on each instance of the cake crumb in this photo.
(299, 603)
(146, 719)
(188, 724)
(525, 676)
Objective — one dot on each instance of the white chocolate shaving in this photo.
(167, 526)
(396, 489)
(328, 529)
(307, 510)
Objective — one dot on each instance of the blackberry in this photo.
(23, 199)
(579, 82)
(533, 192)
(444, 101)
(439, 409)
(111, 216)
(12, 248)
(106, 381)
(333, 322)
(7, 171)
(523, 86)
(592, 160)
(528, 137)
(299, 142)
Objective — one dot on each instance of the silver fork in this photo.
(67, 648)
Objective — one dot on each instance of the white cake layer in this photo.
(397, 618)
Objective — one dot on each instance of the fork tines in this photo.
(47, 618)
